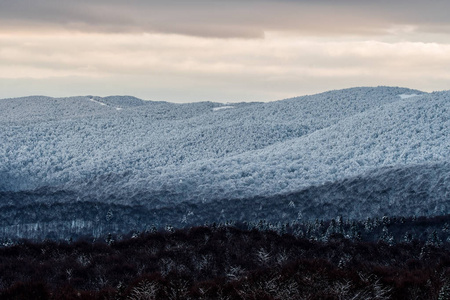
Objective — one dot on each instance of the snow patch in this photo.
(406, 96)
(101, 103)
(104, 104)
(222, 107)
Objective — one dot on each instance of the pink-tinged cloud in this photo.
(186, 68)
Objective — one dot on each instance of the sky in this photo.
(223, 51)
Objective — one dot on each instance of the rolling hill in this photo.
(91, 165)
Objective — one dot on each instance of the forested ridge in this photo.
(359, 152)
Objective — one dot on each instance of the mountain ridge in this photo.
(125, 151)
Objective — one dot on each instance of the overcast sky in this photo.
(246, 50)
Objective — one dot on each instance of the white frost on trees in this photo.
(192, 151)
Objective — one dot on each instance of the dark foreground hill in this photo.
(381, 258)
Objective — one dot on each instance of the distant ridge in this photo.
(121, 150)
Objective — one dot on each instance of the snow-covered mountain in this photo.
(358, 152)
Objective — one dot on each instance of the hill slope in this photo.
(337, 147)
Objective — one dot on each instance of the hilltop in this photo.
(359, 153)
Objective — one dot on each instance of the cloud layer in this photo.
(184, 68)
(232, 18)
(220, 50)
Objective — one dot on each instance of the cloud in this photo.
(185, 68)
(232, 50)
(224, 19)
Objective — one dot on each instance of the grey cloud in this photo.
(231, 18)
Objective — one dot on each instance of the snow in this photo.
(97, 102)
(174, 153)
(108, 100)
(406, 96)
(222, 107)
(299, 142)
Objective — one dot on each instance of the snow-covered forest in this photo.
(91, 165)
